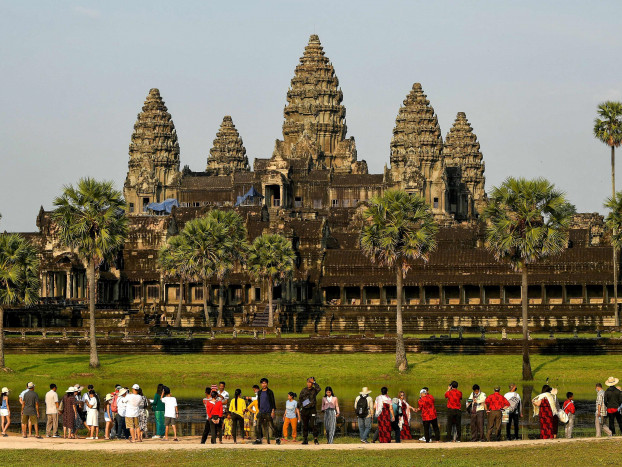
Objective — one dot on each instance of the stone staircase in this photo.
(261, 319)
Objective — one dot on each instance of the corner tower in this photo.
(315, 126)
(153, 173)
(228, 154)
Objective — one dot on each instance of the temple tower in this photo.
(315, 125)
(153, 174)
(465, 170)
(228, 154)
(416, 151)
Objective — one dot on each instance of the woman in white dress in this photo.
(92, 415)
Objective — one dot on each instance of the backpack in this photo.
(113, 404)
(514, 404)
(362, 407)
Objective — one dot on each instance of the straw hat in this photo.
(123, 391)
(71, 389)
(5, 389)
(612, 381)
(108, 397)
(365, 391)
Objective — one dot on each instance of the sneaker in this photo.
(55, 436)
(422, 438)
(155, 437)
(90, 437)
(97, 437)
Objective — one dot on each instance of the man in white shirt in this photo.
(121, 410)
(131, 412)
(51, 410)
(223, 396)
(515, 411)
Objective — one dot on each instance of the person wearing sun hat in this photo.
(613, 399)
(364, 408)
(68, 410)
(108, 415)
(5, 411)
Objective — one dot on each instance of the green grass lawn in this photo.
(188, 374)
(575, 454)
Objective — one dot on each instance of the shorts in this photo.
(106, 417)
(92, 418)
(33, 419)
(4, 412)
(169, 421)
(131, 422)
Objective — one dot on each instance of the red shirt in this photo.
(496, 401)
(454, 399)
(428, 411)
(213, 408)
(569, 406)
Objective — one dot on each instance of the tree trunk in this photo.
(180, 304)
(270, 312)
(527, 375)
(205, 309)
(221, 303)
(400, 350)
(1, 337)
(94, 361)
(616, 312)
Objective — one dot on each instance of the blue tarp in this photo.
(164, 206)
(249, 197)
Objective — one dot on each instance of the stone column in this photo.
(584, 292)
(44, 285)
(363, 295)
(564, 294)
(441, 295)
(461, 295)
(382, 294)
(543, 294)
(342, 294)
(422, 294)
(482, 295)
(68, 284)
(502, 295)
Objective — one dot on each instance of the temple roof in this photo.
(228, 154)
(461, 145)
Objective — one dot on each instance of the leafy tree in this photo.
(173, 261)
(271, 258)
(527, 220)
(399, 228)
(19, 277)
(92, 222)
(608, 129)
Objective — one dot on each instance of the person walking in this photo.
(171, 412)
(307, 403)
(158, 412)
(454, 411)
(428, 416)
(601, 412)
(68, 411)
(51, 411)
(108, 416)
(30, 410)
(364, 409)
(267, 411)
(544, 408)
(515, 412)
(237, 407)
(131, 413)
(291, 417)
(405, 417)
(92, 414)
(383, 408)
(570, 410)
(5, 411)
(476, 407)
(613, 400)
(330, 407)
(494, 404)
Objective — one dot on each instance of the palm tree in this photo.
(92, 222)
(19, 277)
(527, 221)
(399, 228)
(614, 223)
(608, 129)
(173, 261)
(216, 243)
(271, 258)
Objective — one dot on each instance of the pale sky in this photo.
(528, 74)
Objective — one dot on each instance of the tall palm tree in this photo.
(271, 258)
(399, 228)
(231, 252)
(173, 261)
(608, 129)
(92, 222)
(527, 220)
(614, 223)
(19, 277)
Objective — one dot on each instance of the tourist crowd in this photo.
(126, 413)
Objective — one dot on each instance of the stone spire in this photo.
(465, 169)
(314, 112)
(416, 149)
(154, 155)
(228, 154)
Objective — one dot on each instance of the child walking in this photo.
(291, 416)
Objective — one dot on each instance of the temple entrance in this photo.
(273, 196)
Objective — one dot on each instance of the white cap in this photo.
(423, 391)
(5, 389)
(136, 386)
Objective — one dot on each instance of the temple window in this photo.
(435, 205)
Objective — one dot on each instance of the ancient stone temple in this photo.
(312, 190)
(153, 173)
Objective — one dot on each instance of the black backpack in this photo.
(362, 407)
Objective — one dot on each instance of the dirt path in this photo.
(192, 443)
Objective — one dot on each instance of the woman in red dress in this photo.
(545, 413)
(406, 409)
(384, 412)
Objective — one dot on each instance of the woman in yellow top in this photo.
(236, 408)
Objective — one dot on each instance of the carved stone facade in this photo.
(228, 154)
(153, 173)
